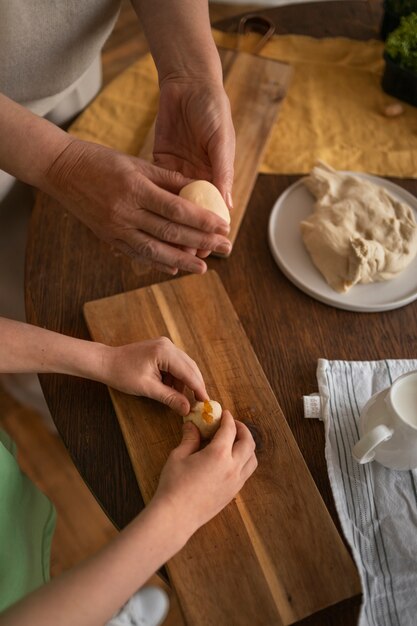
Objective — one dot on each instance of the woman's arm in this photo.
(28, 143)
(124, 200)
(194, 131)
(194, 486)
(179, 36)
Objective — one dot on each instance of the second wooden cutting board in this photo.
(273, 556)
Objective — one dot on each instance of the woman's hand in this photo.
(155, 369)
(198, 484)
(194, 132)
(134, 206)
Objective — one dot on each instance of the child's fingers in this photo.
(249, 467)
(168, 396)
(190, 442)
(226, 434)
(244, 446)
(184, 369)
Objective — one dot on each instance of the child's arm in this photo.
(137, 368)
(194, 487)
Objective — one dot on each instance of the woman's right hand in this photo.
(198, 484)
(134, 206)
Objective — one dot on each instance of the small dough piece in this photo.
(358, 232)
(206, 195)
(206, 416)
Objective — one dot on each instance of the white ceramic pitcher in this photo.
(388, 426)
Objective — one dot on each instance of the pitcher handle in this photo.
(364, 450)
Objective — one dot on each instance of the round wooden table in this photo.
(66, 266)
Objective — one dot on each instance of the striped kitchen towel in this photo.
(377, 506)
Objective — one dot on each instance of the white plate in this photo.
(288, 250)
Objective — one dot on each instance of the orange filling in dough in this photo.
(207, 412)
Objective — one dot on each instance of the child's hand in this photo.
(156, 369)
(198, 484)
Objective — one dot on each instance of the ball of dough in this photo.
(206, 195)
(358, 232)
(206, 416)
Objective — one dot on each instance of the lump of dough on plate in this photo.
(206, 195)
(206, 416)
(358, 232)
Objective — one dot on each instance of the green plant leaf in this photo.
(401, 44)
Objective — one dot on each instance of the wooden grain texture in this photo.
(66, 265)
(356, 19)
(278, 530)
(256, 88)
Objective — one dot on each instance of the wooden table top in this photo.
(66, 266)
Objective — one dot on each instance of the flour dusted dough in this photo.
(358, 232)
(206, 416)
(206, 195)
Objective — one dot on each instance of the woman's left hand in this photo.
(194, 132)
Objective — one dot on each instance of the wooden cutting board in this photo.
(256, 88)
(273, 556)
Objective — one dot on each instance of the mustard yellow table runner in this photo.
(334, 109)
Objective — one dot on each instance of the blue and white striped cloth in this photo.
(377, 506)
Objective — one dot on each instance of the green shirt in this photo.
(27, 522)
